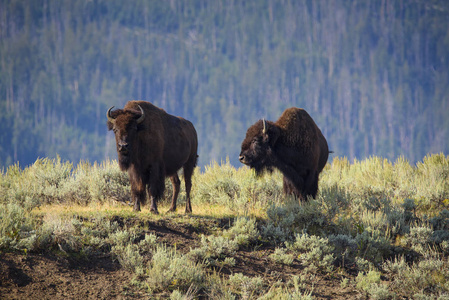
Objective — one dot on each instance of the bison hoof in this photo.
(154, 211)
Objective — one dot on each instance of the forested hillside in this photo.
(374, 74)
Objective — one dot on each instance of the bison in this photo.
(294, 145)
(153, 145)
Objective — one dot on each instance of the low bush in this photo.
(281, 256)
(315, 252)
(247, 287)
(169, 270)
(429, 276)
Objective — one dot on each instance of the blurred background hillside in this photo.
(374, 74)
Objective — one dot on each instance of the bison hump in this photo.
(298, 128)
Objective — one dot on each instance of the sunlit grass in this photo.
(105, 209)
(214, 211)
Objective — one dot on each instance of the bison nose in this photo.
(242, 158)
(123, 147)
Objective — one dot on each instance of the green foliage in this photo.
(286, 220)
(370, 215)
(373, 182)
(428, 276)
(247, 287)
(171, 270)
(281, 256)
(244, 231)
(370, 283)
(315, 252)
(433, 175)
(293, 290)
(16, 226)
(218, 250)
(214, 250)
(235, 188)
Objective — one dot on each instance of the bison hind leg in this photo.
(189, 167)
(176, 183)
(156, 186)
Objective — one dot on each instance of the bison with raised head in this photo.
(293, 144)
(152, 145)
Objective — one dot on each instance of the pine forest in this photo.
(373, 74)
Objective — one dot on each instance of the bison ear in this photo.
(110, 125)
(271, 134)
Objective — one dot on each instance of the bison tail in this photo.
(331, 152)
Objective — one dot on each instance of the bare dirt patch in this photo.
(54, 277)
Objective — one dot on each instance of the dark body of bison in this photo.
(152, 145)
(293, 144)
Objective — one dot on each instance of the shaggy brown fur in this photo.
(293, 144)
(153, 148)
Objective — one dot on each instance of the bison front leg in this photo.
(176, 183)
(156, 186)
(138, 195)
(311, 184)
(288, 187)
(293, 182)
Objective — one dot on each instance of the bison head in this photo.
(258, 146)
(125, 124)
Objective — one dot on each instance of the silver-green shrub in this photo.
(281, 256)
(244, 231)
(214, 250)
(247, 287)
(370, 283)
(169, 270)
(314, 251)
(286, 220)
(16, 226)
(430, 276)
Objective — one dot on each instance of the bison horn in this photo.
(108, 114)
(264, 126)
(142, 117)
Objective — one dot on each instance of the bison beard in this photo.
(294, 145)
(151, 145)
(123, 161)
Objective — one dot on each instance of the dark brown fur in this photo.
(154, 149)
(293, 144)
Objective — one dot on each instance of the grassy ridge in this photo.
(389, 221)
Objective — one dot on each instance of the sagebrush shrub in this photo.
(59, 233)
(129, 257)
(313, 251)
(286, 220)
(281, 256)
(244, 231)
(16, 225)
(168, 269)
(214, 250)
(246, 286)
(427, 277)
(370, 282)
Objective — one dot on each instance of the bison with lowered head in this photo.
(293, 144)
(152, 145)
